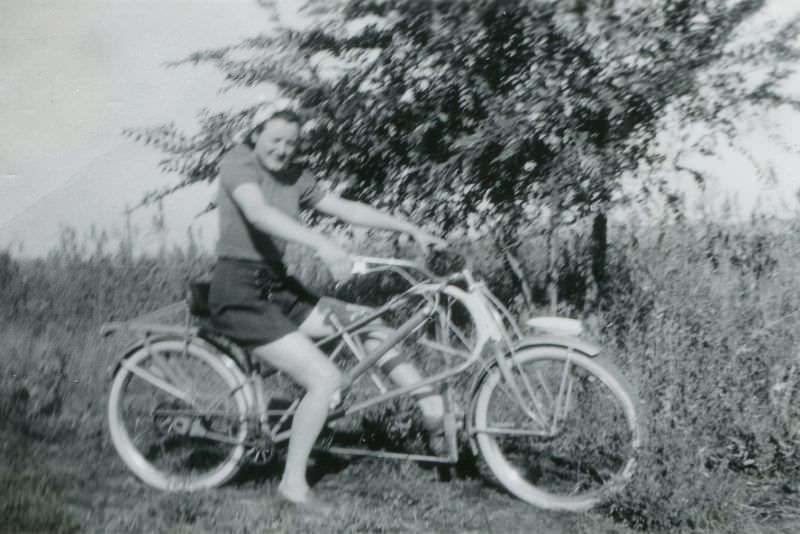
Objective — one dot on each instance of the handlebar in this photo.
(370, 264)
(361, 263)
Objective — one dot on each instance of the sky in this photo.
(75, 73)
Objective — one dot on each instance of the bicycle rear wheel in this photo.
(177, 416)
(573, 441)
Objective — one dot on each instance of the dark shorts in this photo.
(253, 303)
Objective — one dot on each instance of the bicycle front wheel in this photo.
(177, 416)
(564, 435)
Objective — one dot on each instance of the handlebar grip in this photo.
(359, 267)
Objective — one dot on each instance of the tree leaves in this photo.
(505, 102)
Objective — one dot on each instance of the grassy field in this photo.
(702, 319)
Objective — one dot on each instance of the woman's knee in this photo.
(304, 362)
(320, 373)
(327, 376)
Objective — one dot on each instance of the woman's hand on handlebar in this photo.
(338, 261)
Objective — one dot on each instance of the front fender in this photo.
(553, 340)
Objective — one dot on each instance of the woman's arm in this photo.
(268, 219)
(250, 200)
(362, 214)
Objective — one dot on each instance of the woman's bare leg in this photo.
(298, 357)
(404, 373)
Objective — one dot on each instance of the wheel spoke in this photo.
(175, 373)
(561, 405)
(537, 415)
(537, 404)
(217, 401)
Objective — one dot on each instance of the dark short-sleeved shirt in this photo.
(287, 191)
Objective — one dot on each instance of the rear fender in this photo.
(230, 364)
(133, 347)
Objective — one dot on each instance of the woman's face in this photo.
(277, 143)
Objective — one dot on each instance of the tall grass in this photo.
(705, 318)
(702, 318)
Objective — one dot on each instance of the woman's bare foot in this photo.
(306, 500)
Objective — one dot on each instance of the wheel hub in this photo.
(169, 422)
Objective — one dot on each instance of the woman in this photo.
(255, 303)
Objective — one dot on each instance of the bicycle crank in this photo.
(259, 454)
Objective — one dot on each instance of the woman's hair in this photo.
(284, 114)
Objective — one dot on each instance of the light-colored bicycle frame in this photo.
(496, 336)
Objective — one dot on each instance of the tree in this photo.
(487, 113)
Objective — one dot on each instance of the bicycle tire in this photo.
(591, 423)
(176, 444)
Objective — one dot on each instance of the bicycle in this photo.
(554, 421)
